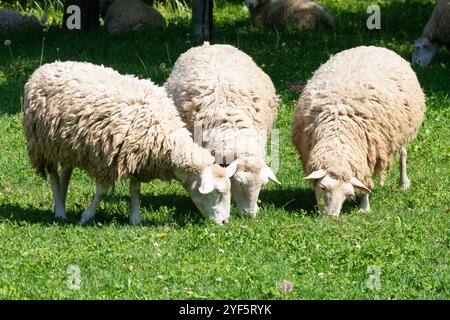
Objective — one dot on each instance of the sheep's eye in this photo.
(322, 186)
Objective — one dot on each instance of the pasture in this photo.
(175, 253)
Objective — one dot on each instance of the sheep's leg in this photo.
(382, 179)
(64, 179)
(135, 189)
(101, 191)
(404, 180)
(60, 211)
(365, 205)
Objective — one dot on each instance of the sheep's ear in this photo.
(356, 183)
(231, 169)
(319, 174)
(206, 182)
(267, 173)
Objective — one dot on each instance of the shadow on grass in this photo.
(298, 199)
(164, 209)
(161, 210)
(290, 200)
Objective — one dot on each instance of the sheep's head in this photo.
(424, 51)
(210, 191)
(331, 192)
(251, 174)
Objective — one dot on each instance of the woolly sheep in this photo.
(294, 13)
(229, 104)
(125, 15)
(435, 34)
(11, 20)
(115, 127)
(358, 109)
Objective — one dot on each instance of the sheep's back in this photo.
(226, 81)
(440, 22)
(131, 15)
(79, 115)
(373, 88)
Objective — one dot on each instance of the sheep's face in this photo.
(424, 51)
(210, 191)
(247, 182)
(331, 193)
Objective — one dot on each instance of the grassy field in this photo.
(176, 254)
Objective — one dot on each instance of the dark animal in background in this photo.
(435, 34)
(289, 13)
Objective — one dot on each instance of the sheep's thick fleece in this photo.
(111, 125)
(126, 15)
(222, 88)
(438, 28)
(293, 13)
(358, 109)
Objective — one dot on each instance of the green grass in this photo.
(176, 253)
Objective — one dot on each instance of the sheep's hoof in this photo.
(135, 221)
(83, 222)
(406, 185)
(60, 215)
(364, 210)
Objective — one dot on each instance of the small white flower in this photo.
(221, 251)
(162, 66)
(321, 275)
(7, 43)
(283, 44)
(129, 282)
(160, 276)
(218, 279)
(358, 246)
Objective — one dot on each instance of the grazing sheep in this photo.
(126, 15)
(293, 13)
(435, 34)
(231, 104)
(11, 20)
(359, 108)
(115, 127)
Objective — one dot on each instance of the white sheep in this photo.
(359, 108)
(230, 105)
(115, 127)
(11, 20)
(435, 34)
(289, 13)
(125, 15)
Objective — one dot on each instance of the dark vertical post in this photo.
(202, 16)
(90, 12)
